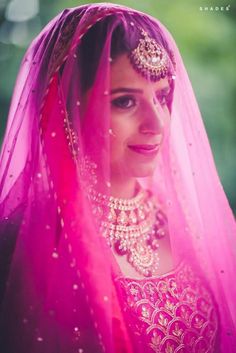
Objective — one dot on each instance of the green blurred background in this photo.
(205, 37)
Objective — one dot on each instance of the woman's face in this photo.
(138, 121)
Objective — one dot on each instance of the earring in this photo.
(111, 133)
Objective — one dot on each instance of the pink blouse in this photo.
(171, 313)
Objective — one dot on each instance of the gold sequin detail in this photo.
(171, 313)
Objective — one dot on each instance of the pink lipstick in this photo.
(147, 149)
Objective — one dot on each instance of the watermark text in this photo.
(214, 8)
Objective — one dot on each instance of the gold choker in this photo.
(132, 227)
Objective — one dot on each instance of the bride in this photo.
(115, 233)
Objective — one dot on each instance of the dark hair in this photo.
(125, 37)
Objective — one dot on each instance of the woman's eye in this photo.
(163, 100)
(124, 102)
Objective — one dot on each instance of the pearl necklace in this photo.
(132, 228)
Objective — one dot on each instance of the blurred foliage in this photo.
(206, 40)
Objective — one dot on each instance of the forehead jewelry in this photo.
(150, 59)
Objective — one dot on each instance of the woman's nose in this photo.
(152, 121)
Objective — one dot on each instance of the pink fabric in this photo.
(60, 294)
(171, 313)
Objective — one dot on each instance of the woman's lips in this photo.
(147, 149)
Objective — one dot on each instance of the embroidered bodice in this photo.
(171, 313)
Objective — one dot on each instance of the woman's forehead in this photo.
(124, 75)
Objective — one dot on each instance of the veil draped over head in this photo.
(58, 292)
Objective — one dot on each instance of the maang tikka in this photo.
(150, 59)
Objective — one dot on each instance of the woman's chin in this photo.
(128, 170)
(142, 171)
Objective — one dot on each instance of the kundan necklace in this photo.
(132, 228)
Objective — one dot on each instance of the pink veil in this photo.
(57, 292)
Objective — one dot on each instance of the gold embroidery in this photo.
(163, 321)
(172, 313)
(156, 339)
(177, 330)
(145, 312)
(169, 348)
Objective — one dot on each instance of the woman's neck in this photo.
(124, 188)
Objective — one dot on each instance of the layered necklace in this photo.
(132, 228)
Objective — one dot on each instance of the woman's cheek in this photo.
(123, 126)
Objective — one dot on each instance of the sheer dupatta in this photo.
(58, 293)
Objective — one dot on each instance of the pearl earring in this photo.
(111, 132)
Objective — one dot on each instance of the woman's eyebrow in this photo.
(165, 90)
(126, 90)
